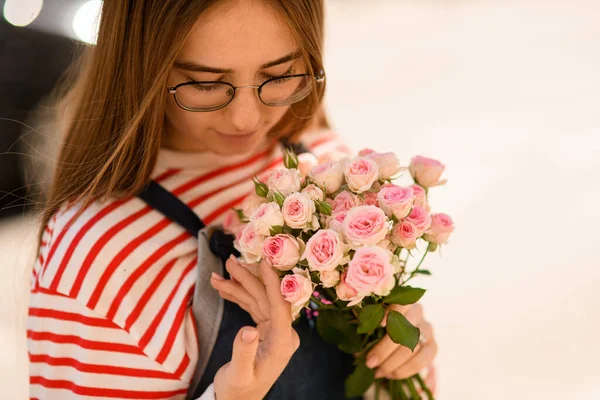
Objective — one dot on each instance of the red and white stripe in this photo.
(109, 312)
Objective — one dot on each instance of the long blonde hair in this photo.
(115, 104)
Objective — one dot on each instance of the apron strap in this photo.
(171, 207)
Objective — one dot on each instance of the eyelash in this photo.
(267, 77)
(288, 72)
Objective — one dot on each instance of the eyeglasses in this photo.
(214, 95)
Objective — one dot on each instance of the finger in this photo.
(253, 268)
(281, 312)
(238, 294)
(243, 355)
(245, 278)
(430, 379)
(386, 346)
(418, 362)
(402, 355)
(255, 317)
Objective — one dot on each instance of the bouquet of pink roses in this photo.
(341, 234)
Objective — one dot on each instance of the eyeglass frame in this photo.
(173, 89)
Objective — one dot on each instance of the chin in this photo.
(236, 148)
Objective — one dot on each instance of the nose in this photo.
(245, 109)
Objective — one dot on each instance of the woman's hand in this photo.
(256, 363)
(245, 289)
(394, 361)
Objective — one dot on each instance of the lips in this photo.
(240, 136)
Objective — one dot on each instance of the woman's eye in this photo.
(205, 88)
(282, 80)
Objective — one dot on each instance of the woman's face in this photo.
(242, 42)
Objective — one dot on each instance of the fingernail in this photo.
(249, 335)
(379, 374)
(217, 276)
(233, 258)
(372, 361)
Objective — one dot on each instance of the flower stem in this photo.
(401, 391)
(377, 387)
(413, 389)
(418, 266)
(424, 387)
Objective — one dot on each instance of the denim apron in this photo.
(316, 371)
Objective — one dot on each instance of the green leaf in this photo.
(278, 198)
(359, 381)
(398, 251)
(240, 215)
(290, 159)
(370, 318)
(323, 207)
(423, 272)
(404, 295)
(261, 189)
(401, 331)
(334, 327)
(276, 229)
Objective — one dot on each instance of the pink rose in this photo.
(232, 224)
(313, 192)
(284, 181)
(306, 162)
(370, 199)
(328, 176)
(250, 244)
(366, 152)
(396, 200)
(283, 251)
(324, 250)
(251, 203)
(297, 289)
(420, 197)
(361, 173)
(346, 292)
(426, 171)
(345, 201)
(420, 218)
(441, 228)
(365, 226)
(388, 163)
(371, 271)
(299, 212)
(405, 234)
(336, 222)
(329, 278)
(267, 216)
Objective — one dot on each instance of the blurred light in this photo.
(22, 12)
(87, 21)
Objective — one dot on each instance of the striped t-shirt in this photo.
(109, 313)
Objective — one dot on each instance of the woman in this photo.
(177, 107)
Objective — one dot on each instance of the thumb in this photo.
(244, 354)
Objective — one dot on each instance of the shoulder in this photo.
(325, 144)
(108, 253)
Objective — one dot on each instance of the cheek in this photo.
(187, 123)
(274, 114)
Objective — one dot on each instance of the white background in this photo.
(507, 95)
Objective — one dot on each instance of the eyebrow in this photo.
(195, 67)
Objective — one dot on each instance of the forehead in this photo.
(238, 34)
